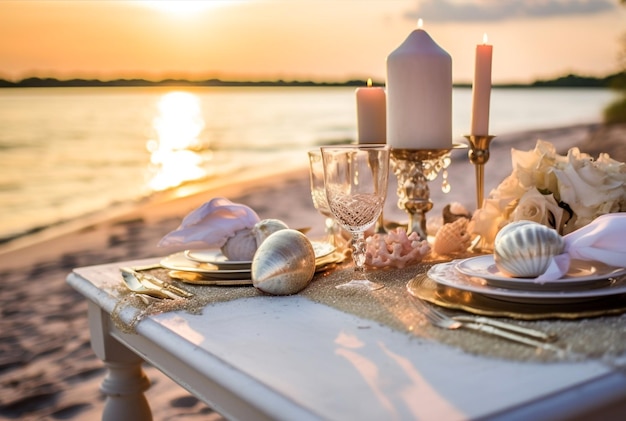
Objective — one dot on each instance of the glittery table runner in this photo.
(601, 337)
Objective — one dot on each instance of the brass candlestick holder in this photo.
(478, 154)
(414, 168)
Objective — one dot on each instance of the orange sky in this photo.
(302, 39)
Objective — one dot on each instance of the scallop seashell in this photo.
(524, 249)
(452, 238)
(284, 263)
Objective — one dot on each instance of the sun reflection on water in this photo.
(176, 153)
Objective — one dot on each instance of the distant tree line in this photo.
(36, 82)
(569, 81)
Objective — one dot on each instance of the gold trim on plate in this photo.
(426, 289)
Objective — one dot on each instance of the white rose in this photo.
(487, 221)
(533, 168)
(591, 188)
(541, 208)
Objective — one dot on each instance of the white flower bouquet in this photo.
(562, 192)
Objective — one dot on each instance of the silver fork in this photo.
(441, 320)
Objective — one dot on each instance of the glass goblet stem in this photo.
(358, 251)
(331, 231)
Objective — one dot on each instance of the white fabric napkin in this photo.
(211, 224)
(603, 240)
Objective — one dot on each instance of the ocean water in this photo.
(68, 152)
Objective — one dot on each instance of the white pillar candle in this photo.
(481, 92)
(419, 94)
(371, 112)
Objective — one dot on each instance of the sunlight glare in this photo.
(183, 7)
(175, 153)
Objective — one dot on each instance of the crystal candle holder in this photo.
(414, 168)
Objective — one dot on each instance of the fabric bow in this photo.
(602, 240)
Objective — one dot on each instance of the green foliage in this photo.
(616, 111)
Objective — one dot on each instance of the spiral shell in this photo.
(284, 263)
(453, 211)
(524, 249)
(452, 238)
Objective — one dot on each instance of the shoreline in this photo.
(582, 135)
(47, 367)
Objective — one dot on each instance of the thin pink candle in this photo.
(371, 108)
(481, 93)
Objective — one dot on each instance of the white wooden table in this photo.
(288, 358)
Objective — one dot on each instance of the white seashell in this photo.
(245, 242)
(452, 238)
(453, 211)
(241, 246)
(524, 249)
(284, 263)
(267, 227)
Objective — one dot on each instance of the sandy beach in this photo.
(47, 368)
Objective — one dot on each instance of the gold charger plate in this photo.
(426, 289)
(195, 273)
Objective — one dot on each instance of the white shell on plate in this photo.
(524, 249)
(267, 227)
(245, 242)
(284, 263)
(241, 246)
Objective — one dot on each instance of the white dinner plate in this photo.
(215, 256)
(447, 274)
(179, 262)
(581, 275)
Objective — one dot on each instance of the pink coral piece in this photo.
(395, 249)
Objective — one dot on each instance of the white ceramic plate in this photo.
(215, 256)
(179, 262)
(447, 274)
(581, 275)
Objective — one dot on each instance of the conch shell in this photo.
(284, 263)
(454, 211)
(525, 249)
(245, 242)
(452, 238)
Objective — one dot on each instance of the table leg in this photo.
(126, 381)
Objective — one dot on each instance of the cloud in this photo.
(497, 10)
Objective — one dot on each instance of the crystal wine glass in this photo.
(318, 195)
(355, 178)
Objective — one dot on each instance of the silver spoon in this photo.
(133, 284)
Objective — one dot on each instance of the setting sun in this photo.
(183, 7)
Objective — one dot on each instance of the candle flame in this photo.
(369, 82)
(485, 38)
(420, 23)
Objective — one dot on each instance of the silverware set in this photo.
(151, 286)
(522, 335)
